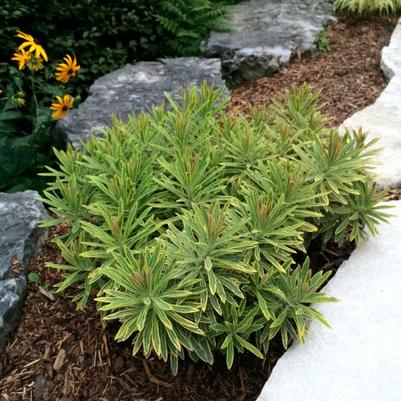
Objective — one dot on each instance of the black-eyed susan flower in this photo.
(22, 57)
(62, 107)
(35, 63)
(68, 69)
(27, 59)
(33, 45)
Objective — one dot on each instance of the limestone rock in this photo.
(382, 120)
(359, 357)
(12, 292)
(20, 239)
(263, 34)
(391, 54)
(134, 88)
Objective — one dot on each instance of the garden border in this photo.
(345, 362)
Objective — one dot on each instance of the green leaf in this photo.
(247, 345)
(33, 277)
(263, 306)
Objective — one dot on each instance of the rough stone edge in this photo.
(388, 65)
(16, 299)
(36, 240)
(392, 70)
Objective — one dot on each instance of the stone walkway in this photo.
(383, 119)
(264, 34)
(359, 359)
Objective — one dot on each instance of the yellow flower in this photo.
(35, 63)
(28, 59)
(22, 57)
(33, 44)
(67, 70)
(61, 108)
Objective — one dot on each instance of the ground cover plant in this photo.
(184, 223)
(30, 103)
(368, 6)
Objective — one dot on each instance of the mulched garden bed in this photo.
(348, 76)
(63, 355)
(60, 354)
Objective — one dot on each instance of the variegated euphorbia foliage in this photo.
(184, 222)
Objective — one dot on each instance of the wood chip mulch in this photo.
(393, 194)
(348, 76)
(59, 354)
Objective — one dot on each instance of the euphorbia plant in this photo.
(185, 222)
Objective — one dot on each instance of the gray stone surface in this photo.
(12, 294)
(391, 54)
(134, 88)
(359, 358)
(264, 34)
(20, 238)
(382, 120)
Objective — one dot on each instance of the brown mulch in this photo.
(393, 194)
(348, 76)
(60, 354)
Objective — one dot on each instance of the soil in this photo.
(61, 354)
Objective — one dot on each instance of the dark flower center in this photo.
(70, 71)
(65, 108)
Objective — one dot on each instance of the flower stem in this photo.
(36, 105)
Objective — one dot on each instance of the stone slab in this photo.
(132, 89)
(382, 120)
(359, 358)
(391, 54)
(391, 62)
(20, 239)
(263, 34)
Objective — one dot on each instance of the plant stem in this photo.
(36, 105)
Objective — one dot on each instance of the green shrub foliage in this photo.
(106, 34)
(368, 6)
(185, 222)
